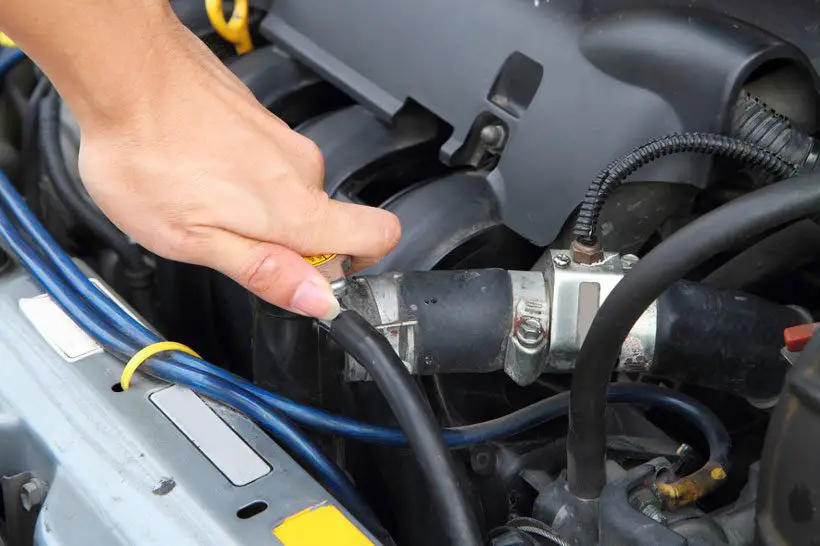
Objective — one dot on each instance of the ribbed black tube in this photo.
(619, 170)
(755, 122)
(710, 234)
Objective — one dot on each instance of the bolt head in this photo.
(561, 261)
(493, 135)
(32, 494)
(628, 261)
(529, 332)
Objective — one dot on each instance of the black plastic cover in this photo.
(574, 87)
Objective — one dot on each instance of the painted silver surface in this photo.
(118, 470)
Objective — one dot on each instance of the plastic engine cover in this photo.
(153, 465)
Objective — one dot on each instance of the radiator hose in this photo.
(712, 233)
(372, 350)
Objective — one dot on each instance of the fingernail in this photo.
(315, 299)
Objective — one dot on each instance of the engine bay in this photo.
(596, 329)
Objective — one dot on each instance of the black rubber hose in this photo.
(370, 348)
(29, 149)
(586, 225)
(714, 232)
(717, 437)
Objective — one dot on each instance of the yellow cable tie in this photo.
(144, 354)
(5, 41)
(237, 30)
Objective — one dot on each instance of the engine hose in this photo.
(712, 233)
(30, 172)
(496, 429)
(137, 271)
(372, 350)
(203, 383)
(586, 225)
(755, 122)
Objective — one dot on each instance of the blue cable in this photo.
(203, 383)
(9, 57)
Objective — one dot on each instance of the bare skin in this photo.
(180, 155)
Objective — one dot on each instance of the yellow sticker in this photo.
(321, 259)
(320, 526)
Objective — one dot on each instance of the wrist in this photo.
(108, 76)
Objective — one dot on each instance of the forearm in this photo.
(101, 56)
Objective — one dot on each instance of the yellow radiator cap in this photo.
(332, 266)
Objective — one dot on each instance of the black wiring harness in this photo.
(586, 225)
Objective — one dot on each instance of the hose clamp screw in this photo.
(529, 332)
(561, 261)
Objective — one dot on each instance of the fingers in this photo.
(272, 272)
(363, 232)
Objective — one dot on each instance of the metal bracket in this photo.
(578, 290)
(529, 335)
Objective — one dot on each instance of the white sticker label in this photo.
(59, 330)
(211, 435)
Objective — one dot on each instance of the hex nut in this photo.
(587, 255)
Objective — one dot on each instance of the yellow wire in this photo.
(144, 354)
(237, 30)
(5, 41)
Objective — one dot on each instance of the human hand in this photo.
(194, 169)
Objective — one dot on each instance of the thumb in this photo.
(274, 273)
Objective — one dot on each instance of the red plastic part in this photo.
(797, 337)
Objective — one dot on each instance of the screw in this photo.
(653, 512)
(482, 461)
(529, 332)
(32, 493)
(339, 287)
(561, 261)
(493, 136)
(628, 261)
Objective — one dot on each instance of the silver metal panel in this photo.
(119, 472)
